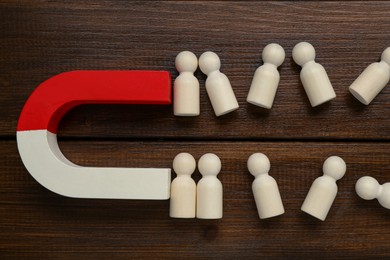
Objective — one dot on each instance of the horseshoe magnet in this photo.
(37, 138)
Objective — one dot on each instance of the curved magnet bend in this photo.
(38, 122)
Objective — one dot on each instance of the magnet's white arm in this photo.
(45, 162)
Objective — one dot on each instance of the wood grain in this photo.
(41, 39)
(38, 224)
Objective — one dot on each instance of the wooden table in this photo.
(40, 39)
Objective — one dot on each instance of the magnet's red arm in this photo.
(57, 95)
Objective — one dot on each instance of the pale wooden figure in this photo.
(323, 191)
(186, 86)
(183, 187)
(266, 79)
(218, 86)
(314, 78)
(265, 189)
(368, 188)
(209, 189)
(372, 80)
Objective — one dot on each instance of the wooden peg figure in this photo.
(266, 79)
(265, 189)
(209, 189)
(372, 80)
(323, 191)
(183, 187)
(314, 78)
(218, 86)
(186, 86)
(368, 188)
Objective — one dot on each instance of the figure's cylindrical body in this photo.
(209, 202)
(320, 198)
(372, 80)
(267, 197)
(264, 85)
(186, 95)
(183, 197)
(316, 82)
(221, 94)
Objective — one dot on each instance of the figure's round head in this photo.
(367, 188)
(208, 62)
(386, 55)
(184, 163)
(186, 61)
(258, 163)
(273, 53)
(303, 52)
(334, 167)
(209, 164)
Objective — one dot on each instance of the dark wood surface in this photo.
(40, 39)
